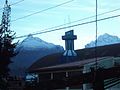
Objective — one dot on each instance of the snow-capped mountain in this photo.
(104, 39)
(30, 50)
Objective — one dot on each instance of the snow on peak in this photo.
(34, 42)
(30, 35)
(104, 39)
(30, 50)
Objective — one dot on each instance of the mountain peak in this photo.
(30, 50)
(104, 39)
(31, 42)
(30, 35)
(106, 35)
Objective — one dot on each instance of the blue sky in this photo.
(75, 10)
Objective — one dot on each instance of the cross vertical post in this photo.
(69, 43)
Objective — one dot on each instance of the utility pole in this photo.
(98, 79)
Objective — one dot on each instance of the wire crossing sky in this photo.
(38, 16)
(70, 26)
(44, 31)
(42, 10)
(14, 3)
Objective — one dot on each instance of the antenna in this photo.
(69, 20)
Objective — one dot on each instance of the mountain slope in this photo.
(104, 39)
(30, 50)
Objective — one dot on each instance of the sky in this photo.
(67, 13)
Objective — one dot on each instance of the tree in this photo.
(6, 38)
(6, 45)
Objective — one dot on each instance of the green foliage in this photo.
(6, 38)
(6, 52)
(6, 46)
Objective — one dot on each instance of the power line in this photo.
(82, 19)
(14, 3)
(17, 2)
(71, 26)
(42, 10)
(73, 21)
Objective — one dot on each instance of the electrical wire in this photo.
(82, 19)
(14, 3)
(71, 26)
(42, 10)
(73, 21)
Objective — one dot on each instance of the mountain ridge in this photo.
(30, 50)
(104, 39)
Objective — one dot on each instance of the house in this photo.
(73, 68)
